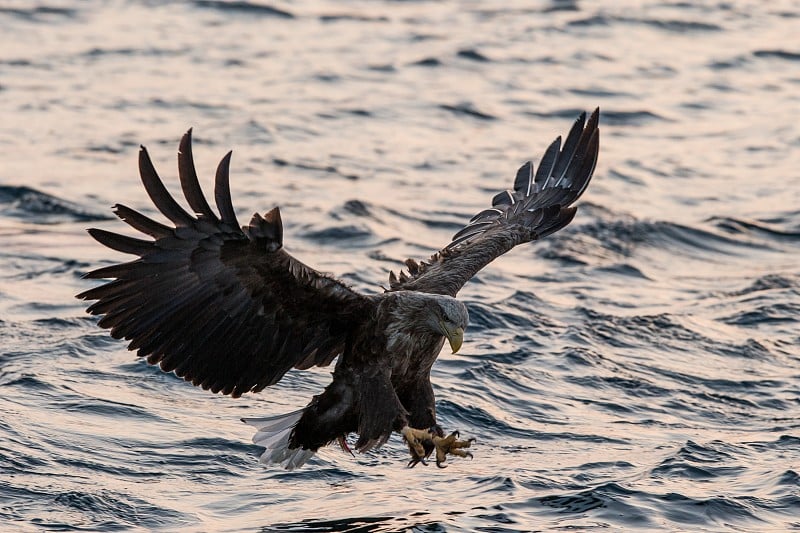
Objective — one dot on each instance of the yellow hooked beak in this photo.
(455, 336)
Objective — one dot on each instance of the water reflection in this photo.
(637, 370)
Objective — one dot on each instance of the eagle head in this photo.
(421, 313)
(449, 317)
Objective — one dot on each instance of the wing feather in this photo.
(539, 205)
(189, 182)
(547, 163)
(137, 267)
(141, 223)
(568, 151)
(158, 193)
(486, 213)
(222, 192)
(524, 179)
(226, 308)
(121, 243)
(503, 198)
(474, 227)
(570, 173)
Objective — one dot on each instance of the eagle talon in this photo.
(423, 442)
(450, 445)
(415, 461)
(420, 445)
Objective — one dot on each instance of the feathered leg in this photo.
(419, 401)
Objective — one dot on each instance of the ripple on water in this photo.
(31, 205)
(244, 8)
(642, 374)
(41, 13)
(113, 511)
(697, 462)
(679, 26)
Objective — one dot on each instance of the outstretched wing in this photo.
(539, 205)
(222, 306)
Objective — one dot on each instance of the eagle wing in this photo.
(539, 204)
(224, 307)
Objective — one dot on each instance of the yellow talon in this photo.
(450, 445)
(416, 439)
(422, 442)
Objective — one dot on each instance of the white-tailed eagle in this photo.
(227, 308)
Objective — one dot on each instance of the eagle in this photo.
(229, 309)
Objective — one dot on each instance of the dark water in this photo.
(639, 370)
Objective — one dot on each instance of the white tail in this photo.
(273, 434)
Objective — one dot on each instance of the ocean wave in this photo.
(636, 370)
(677, 26)
(245, 8)
(365, 524)
(304, 165)
(777, 54)
(734, 226)
(694, 461)
(41, 13)
(472, 54)
(638, 507)
(610, 237)
(467, 109)
(765, 313)
(611, 117)
(337, 234)
(110, 511)
(768, 282)
(31, 205)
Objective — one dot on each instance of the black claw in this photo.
(470, 456)
(441, 465)
(417, 460)
(456, 434)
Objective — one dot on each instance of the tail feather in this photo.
(273, 434)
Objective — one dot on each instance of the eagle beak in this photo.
(456, 338)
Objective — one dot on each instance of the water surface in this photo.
(640, 369)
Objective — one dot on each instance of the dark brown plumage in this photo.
(228, 309)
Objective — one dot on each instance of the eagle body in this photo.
(381, 382)
(229, 309)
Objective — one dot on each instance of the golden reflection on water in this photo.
(638, 345)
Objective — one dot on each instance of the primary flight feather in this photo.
(226, 307)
